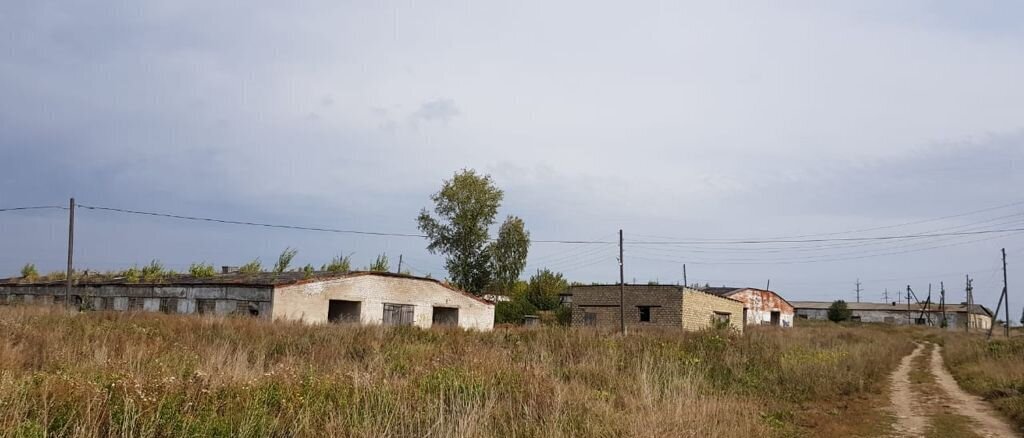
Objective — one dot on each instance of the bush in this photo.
(380, 265)
(338, 265)
(253, 267)
(131, 275)
(543, 289)
(839, 311)
(154, 272)
(29, 272)
(201, 270)
(512, 312)
(284, 260)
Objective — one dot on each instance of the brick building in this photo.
(652, 306)
(364, 297)
(760, 307)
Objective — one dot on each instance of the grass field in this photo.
(993, 370)
(143, 374)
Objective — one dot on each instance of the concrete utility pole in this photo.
(942, 304)
(858, 290)
(71, 252)
(908, 304)
(622, 290)
(970, 306)
(685, 283)
(399, 271)
(1006, 296)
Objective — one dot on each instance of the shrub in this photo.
(201, 270)
(29, 272)
(543, 289)
(512, 312)
(380, 265)
(131, 275)
(284, 260)
(253, 267)
(154, 272)
(308, 270)
(839, 311)
(338, 265)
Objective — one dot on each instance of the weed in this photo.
(284, 260)
(201, 270)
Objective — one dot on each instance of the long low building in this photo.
(957, 315)
(364, 297)
(652, 306)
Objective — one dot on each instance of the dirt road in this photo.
(913, 417)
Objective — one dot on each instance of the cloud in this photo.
(442, 110)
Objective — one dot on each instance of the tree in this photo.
(1022, 317)
(839, 311)
(380, 265)
(512, 312)
(284, 260)
(339, 264)
(465, 209)
(29, 272)
(253, 267)
(543, 289)
(201, 270)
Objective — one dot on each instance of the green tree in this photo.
(543, 289)
(839, 311)
(465, 208)
(380, 265)
(339, 264)
(512, 312)
(29, 272)
(284, 260)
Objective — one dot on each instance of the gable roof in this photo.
(730, 291)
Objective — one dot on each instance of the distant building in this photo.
(321, 297)
(760, 307)
(651, 306)
(957, 315)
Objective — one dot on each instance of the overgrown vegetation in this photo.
(284, 260)
(103, 373)
(154, 272)
(29, 272)
(201, 270)
(338, 265)
(994, 370)
(380, 265)
(253, 267)
(839, 311)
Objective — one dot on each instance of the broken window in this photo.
(645, 313)
(446, 316)
(205, 306)
(398, 314)
(855, 318)
(589, 318)
(169, 305)
(135, 303)
(343, 311)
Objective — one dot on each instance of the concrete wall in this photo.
(602, 302)
(178, 299)
(310, 302)
(761, 303)
(700, 310)
(955, 320)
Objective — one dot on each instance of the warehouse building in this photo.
(760, 307)
(957, 315)
(652, 306)
(362, 297)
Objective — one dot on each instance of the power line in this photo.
(40, 207)
(843, 239)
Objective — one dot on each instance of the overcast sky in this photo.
(670, 120)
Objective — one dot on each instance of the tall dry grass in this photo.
(136, 374)
(992, 369)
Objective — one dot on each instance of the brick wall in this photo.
(700, 310)
(663, 302)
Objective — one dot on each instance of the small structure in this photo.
(957, 315)
(319, 297)
(760, 307)
(652, 306)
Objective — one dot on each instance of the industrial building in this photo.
(646, 306)
(760, 306)
(957, 315)
(322, 297)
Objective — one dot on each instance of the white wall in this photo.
(309, 302)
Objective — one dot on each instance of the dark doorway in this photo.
(343, 311)
(776, 318)
(645, 313)
(446, 316)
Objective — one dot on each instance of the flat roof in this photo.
(646, 286)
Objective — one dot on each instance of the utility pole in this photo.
(908, 304)
(858, 290)
(769, 285)
(399, 271)
(970, 306)
(685, 283)
(71, 252)
(886, 295)
(942, 304)
(622, 290)
(1006, 296)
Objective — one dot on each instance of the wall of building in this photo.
(186, 299)
(955, 320)
(309, 302)
(602, 303)
(701, 310)
(761, 303)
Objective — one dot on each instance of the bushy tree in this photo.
(839, 311)
(465, 208)
(284, 260)
(201, 270)
(543, 289)
(339, 264)
(512, 312)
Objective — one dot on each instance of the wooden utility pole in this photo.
(858, 290)
(1006, 296)
(942, 304)
(886, 295)
(769, 285)
(908, 304)
(622, 290)
(71, 252)
(685, 283)
(399, 271)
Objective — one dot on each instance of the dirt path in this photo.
(973, 407)
(909, 420)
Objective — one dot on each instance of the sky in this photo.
(673, 121)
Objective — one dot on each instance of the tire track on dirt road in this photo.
(910, 421)
(988, 423)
